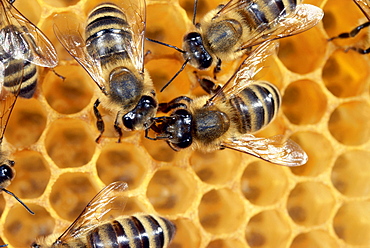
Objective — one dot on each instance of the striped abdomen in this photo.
(255, 107)
(20, 76)
(107, 33)
(263, 12)
(138, 231)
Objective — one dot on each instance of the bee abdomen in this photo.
(20, 76)
(140, 231)
(107, 33)
(256, 106)
(261, 13)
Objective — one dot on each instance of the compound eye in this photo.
(34, 245)
(186, 142)
(6, 172)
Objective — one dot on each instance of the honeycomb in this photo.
(222, 199)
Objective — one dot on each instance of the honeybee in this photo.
(230, 30)
(229, 117)
(364, 6)
(112, 52)
(90, 230)
(23, 47)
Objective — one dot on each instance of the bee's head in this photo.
(141, 116)
(196, 52)
(6, 172)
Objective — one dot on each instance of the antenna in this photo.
(195, 11)
(177, 49)
(24, 205)
(167, 45)
(177, 73)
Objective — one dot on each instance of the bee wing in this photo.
(364, 5)
(7, 98)
(246, 71)
(275, 149)
(107, 199)
(233, 5)
(304, 17)
(135, 12)
(68, 28)
(23, 40)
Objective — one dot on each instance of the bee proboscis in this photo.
(94, 227)
(228, 118)
(364, 6)
(110, 47)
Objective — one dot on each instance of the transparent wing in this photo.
(7, 98)
(246, 71)
(135, 12)
(21, 39)
(109, 198)
(234, 5)
(275, 149)
(364, 5)
(69, 30)
(304, 17)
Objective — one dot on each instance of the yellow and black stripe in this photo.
(107, 33)
(260, 13)
(138, 231)
(20, 75)
(256, 106)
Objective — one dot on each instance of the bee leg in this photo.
(217, 69)
(157, 129)
(148, 56)
(359, 50)
(175, 103)
(118, 129)
(352, 33)
(58, 75)
(166, 107)
(99, 120)
(11, 2)
(207, 85)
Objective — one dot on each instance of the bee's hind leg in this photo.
(359, 50)
(99, 120)
(207, 85)
(118, 128)
(352, 33)
(217, 69)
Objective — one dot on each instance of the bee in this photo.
(90, 230)
(364, 6)
(228, 118)
(230, 30)
(23, 47)
(112, 52)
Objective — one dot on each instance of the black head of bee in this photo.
(197, 54)
(6, 172)
(179, 129)
(141, 115)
